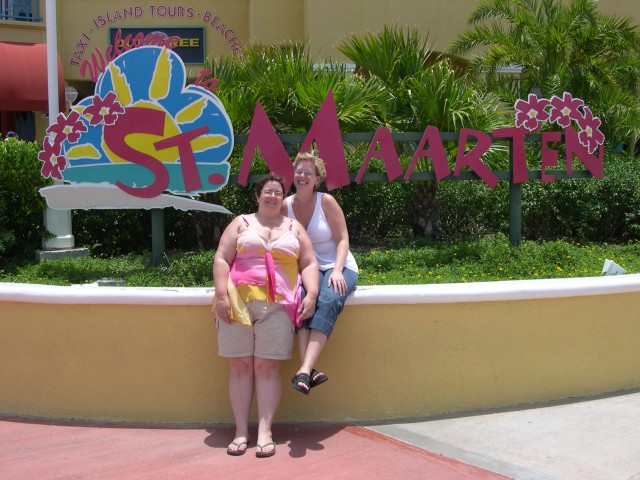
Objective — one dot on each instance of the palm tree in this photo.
(425, 88)
(393, 56)
(291, 89)
(561, 46)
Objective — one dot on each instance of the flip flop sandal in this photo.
(304, 379)
(317, 378)
(263, 454)
(238, 452)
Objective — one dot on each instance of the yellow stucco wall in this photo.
(333, 20)
(22, 32)
(158, 363)
(84, 26)
(276, 21)
(330, 21)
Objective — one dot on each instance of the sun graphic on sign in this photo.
(143, 130)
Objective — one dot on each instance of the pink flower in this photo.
(530, 113)
(590, 135)
(67, 128)
(566, 109)
(104, 110)
(52, 162)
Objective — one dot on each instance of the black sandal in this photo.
(304, 379)
(317, 378)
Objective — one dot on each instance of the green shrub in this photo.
(119, 232)
(411, 262)
(470, 208)
(605, 209)
(376, 211)
(21, 206)
(489, 259)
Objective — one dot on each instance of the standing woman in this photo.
(261, 261)
(324, 220)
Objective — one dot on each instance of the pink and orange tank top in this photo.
(268, 271)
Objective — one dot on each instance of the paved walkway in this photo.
(594, 439)
(313, 452)
(589, 439)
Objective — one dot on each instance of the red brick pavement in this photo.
(31, 449)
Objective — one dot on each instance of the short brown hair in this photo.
(270, 177)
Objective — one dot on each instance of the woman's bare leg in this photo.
(268, 394)
(241, 396)
(315, 341)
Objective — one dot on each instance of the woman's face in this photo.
(304, 176)
(270, 198)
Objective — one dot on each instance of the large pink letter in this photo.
(325, 130)
(472, 158)
(519, 172)
(138, 120)
(435, 151)
(387, 154)
(263, 136)
(549, 155)
(188, 165)
(593, 163)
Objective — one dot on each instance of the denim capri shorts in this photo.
(329, 303)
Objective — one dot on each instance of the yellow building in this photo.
(85, 29)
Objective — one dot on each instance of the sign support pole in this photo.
(158, 256)
(57, 222)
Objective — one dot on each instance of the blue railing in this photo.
(21, 10)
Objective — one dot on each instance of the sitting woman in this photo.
(324, 220)
(260, 264)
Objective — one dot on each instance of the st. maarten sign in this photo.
(145, 132)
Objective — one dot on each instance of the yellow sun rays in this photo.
(120, 85)
(205, 142)
(191, 112)
(161, 79)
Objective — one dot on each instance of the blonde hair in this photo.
(318, 163)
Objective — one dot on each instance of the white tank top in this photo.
(324, 245)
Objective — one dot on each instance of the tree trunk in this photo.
(425, 211)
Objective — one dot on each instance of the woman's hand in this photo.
(223, 309)
(337, 281)
(308, 265)
(307, 308)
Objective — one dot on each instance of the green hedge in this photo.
(606, 209)
(21, 206)
(599, 210)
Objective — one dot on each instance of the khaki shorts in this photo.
(270, 337)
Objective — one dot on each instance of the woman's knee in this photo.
(265, 367)
(241, 366)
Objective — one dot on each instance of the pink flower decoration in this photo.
(104, 110)
(67, 128)
(52, 162)
(590, 135)
(566, 109)
(530, 113)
